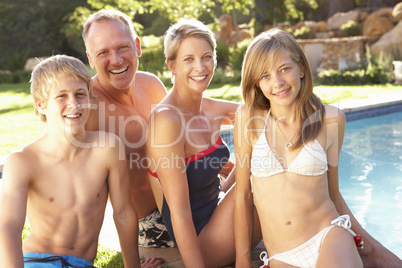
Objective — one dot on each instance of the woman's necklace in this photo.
(289, 144)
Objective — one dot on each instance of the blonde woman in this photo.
(187, 153)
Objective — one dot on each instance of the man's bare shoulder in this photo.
(150, 83)
(146, 77)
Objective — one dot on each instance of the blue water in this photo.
(370, 176)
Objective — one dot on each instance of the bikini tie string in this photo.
(344, 222)
(264, 258)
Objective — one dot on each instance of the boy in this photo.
(62, 180)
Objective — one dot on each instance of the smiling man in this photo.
(124, 99)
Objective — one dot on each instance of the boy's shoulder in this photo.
(23, 160)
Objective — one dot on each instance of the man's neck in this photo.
(116, 96)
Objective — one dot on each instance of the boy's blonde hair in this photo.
(259, 56)
(47, 73)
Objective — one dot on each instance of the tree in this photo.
(273, 11)
(32, 28)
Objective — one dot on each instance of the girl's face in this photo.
(194, 65)
(281, 83)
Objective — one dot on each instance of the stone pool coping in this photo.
(354, 109)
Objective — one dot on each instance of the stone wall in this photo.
(334, 53)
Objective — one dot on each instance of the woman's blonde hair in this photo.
(186, 28)
(47, 73)
(260, 54)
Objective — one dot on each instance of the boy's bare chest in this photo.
(65, 185)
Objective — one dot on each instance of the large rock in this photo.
(390, 43)
(378, 23)
(32, 62)
(340, 18)
(225, 35)
(397, 12)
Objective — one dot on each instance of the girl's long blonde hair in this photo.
(259, 55)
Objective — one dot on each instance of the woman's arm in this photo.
(243, 214)
(224, 111)
(166, 149)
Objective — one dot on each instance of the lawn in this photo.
(20, 126)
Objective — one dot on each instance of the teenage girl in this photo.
(287, 146)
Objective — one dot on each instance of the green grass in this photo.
(20, 126)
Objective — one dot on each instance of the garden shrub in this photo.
(153, 60)
(226, 76)
(302, 33)
(237, 54)
(22, 76)
(16, 60)
(351, 28)
(6, 78)
(222, 54)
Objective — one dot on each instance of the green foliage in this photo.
(376, 70)
(222, 54)
(237, 54)
(6, 77)
(159, 26)
(21, 76)
(302, 33)
(380, 68)
(273, 11)
(33, 26)
(179, 8)
(130, 7)
(16, 60)
(26, 230)
(351, 28)
(153, 60)
(243, 6)
(223, 76)
(108, 258)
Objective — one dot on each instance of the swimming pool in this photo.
(370, 175)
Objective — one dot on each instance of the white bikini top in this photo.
(311, 161)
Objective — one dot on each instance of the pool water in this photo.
(370, 176)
